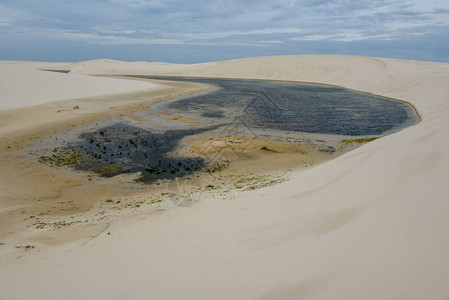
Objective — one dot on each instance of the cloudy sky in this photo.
(191, 31)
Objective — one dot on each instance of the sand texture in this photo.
(370, 224)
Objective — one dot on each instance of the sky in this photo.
(192, 31)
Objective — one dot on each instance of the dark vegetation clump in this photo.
(122, 149)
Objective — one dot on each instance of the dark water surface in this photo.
(295, 107)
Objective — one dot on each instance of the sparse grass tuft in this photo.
(56, 225)
(359, 141)
(328, 151)
(65, 157)
(218, 167)
(212, 187)
(26, 247)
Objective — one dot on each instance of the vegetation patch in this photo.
(56, 225)
(359, 141)
(65, 157)
(218, 166)
(327, 150)
(26, 247)
(212, 187)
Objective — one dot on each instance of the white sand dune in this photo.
(22, 86)
(371, 224)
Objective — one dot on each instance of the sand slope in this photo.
(22, 86)
(371, 224)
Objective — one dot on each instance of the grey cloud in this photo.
(264, 24)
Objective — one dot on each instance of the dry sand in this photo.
(43, 87)
(371, 224)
